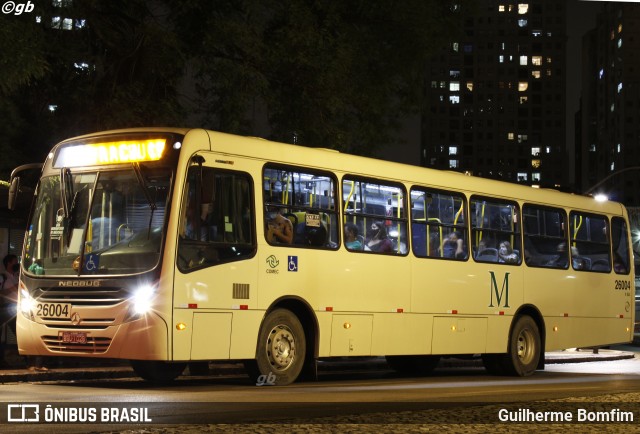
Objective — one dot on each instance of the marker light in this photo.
(601, 197)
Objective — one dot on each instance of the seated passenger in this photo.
(351, 240)
(279, 228)
(380, 241)
(453, 246)
(506, 255)
(561, 259)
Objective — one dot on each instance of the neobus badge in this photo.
(80, 283)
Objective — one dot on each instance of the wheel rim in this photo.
(526, 346)
(281, 347)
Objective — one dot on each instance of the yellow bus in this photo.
(170, 246)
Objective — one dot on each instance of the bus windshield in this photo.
(100, 223)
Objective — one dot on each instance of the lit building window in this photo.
(548, 59)
(501, 58)
(510, 136)
(522, 22)
(613, 107)
(523, 8)
(81, 66)
(535, 74)
(618, 148)
(454, 99)
(454, 86)
(522, 176)
(470, 86)
(592, 147)
(536, 33)
(620, 28)
(601, 73)
(613, 35)
(454, 73)
(67, 24)
(619, 42)
(81, 24)
(524, 99)
(501, 8)
(613, 166)
(453, 150)
(547, 149)
(619, 87)
(56, 22)
(453, 164)
(443, 85)
(548, 72)
(523, 86)
(455, 46)
(524, 60)
(434, 84)
(53, 107)
(535, 164)
(536, 60)
(522, 138)
(535, 151)
(535, 177)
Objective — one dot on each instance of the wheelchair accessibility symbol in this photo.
(293, 263)
(91, 263)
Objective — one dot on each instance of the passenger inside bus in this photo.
(379, 241)
(453, 246)
(351, 240)
(279, 228)
(506, 254)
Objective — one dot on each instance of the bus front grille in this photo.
(94, 345)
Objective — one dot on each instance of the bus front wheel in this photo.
(525, 347)
(281, 350)
(156, 371)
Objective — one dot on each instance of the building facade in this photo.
(495, 99)
(610, 105)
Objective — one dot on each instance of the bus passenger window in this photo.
(590, 245)
(495, 231)
(300, 208)
(620, 241)
(438, 224)
(545, 238)
(378, 213)
(217, 220)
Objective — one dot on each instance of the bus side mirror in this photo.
(14, 188)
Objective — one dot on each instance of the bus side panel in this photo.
(399, 334)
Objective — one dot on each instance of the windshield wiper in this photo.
(145, 189)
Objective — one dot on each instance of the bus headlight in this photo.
(141, 302)
(26, 303)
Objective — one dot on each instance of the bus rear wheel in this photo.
(156, 371)
(524, 347)
(281, 350)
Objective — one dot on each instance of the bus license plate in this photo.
(73, 337)
(53, 310)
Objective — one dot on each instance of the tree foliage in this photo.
(332, 74)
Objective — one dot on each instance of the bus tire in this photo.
(281, 350)
(413, 365)
(524, 349)
(156, 371)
